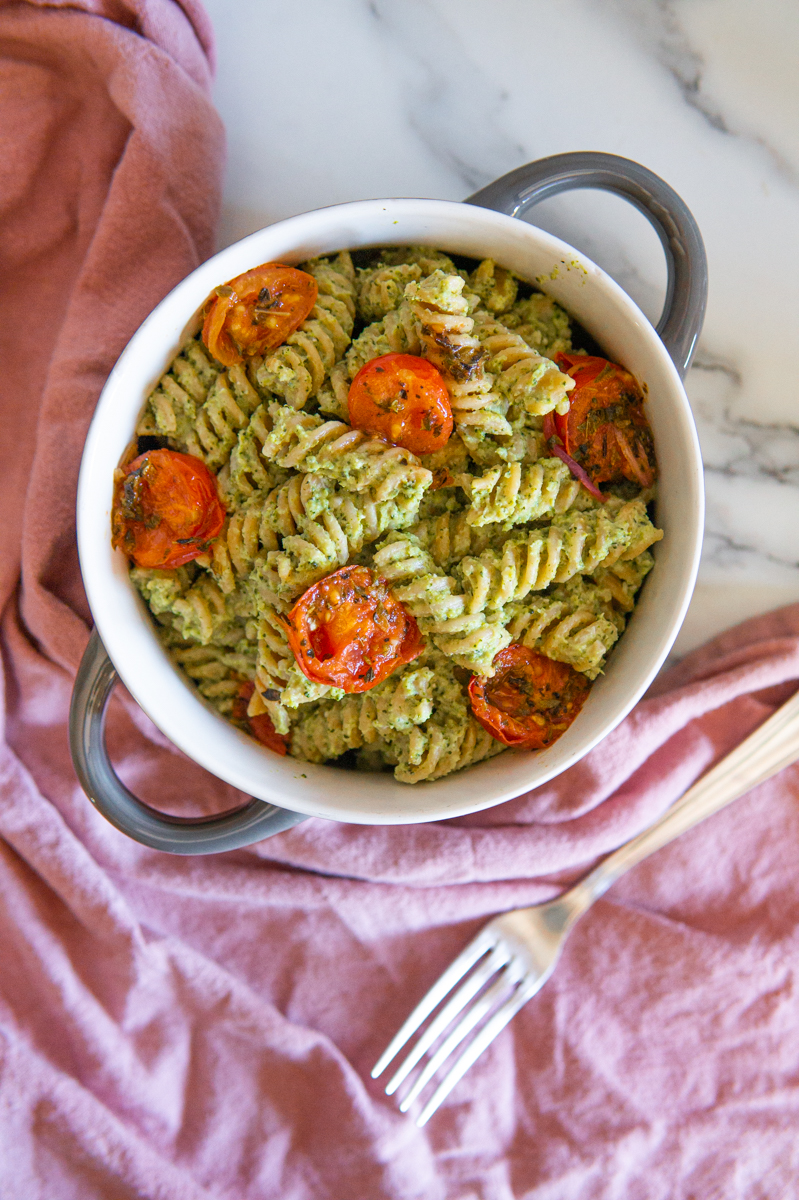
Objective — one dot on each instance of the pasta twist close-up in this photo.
(516, 493)
(530, 382)
(571, 624)
(348, 522)
(437, 603)
(218, 673)
(439, 749)
(381, 289)
(574, 544)
(542, 323)
(297, 370)
(302, 441)
(445, 332)
(172, 406)
(387, 713)
(450, 537)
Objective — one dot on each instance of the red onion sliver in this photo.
(576, 470)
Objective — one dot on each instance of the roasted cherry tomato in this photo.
(530, 701)
(349, 631)
(605, 430)
(261, 726)
(403, 399)
(166, 509)
(257, 311)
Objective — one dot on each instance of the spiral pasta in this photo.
(273, 667)
(330, 730)
(398, 717)
(333, 395)
(428, 258)
(470, 639)
(396, 333)
(576, 543)
(439, 749)
(496, 287)
(298, 368)
(517, 493)
(394, 707)
(255, 529)
(246, 474)
(200, 611)
(301, 441)
(445, 331)
(624, 578)
(531, 383)
(218, 670)
(573, 624)
(328, 541)
(449, 537)
(382, 288)
(173, 405)
(542, 323)
(217, 673)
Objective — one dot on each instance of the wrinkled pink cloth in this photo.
(179, 1029)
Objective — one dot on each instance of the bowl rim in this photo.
(247, 766)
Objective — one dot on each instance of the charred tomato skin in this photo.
(530, 701)
(166, 509)
(255, 312)
(605, 430)
(350, 632)
(404, 400)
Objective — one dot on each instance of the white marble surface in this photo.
(333, 100)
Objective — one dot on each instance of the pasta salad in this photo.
(390, 510)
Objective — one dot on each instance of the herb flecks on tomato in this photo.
(605, 430)
(257, 311)
(166, 509)
(530, 701)
(260, 726)
(350, 632)
(404, 400)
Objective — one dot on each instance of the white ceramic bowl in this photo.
(625, 335)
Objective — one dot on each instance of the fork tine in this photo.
(484, 1038)
(476, 948)
(468, 989)
(471, 1018)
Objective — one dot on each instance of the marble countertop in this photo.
(332, 101)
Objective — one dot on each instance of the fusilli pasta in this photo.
(470, 639)
(517, 493)
(297, 369)
(574, 544)
(301, 441)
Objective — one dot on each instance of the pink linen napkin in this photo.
(183, 1028)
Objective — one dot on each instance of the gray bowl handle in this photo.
(237, 827)
(686, 289)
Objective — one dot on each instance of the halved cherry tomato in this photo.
(257, 311)
(403, 399)
(349, 631)
(605, 430)
(166, 509)
(261, 726)
(530, 701)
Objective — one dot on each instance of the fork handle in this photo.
(773, 746)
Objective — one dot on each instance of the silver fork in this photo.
(513, 956)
